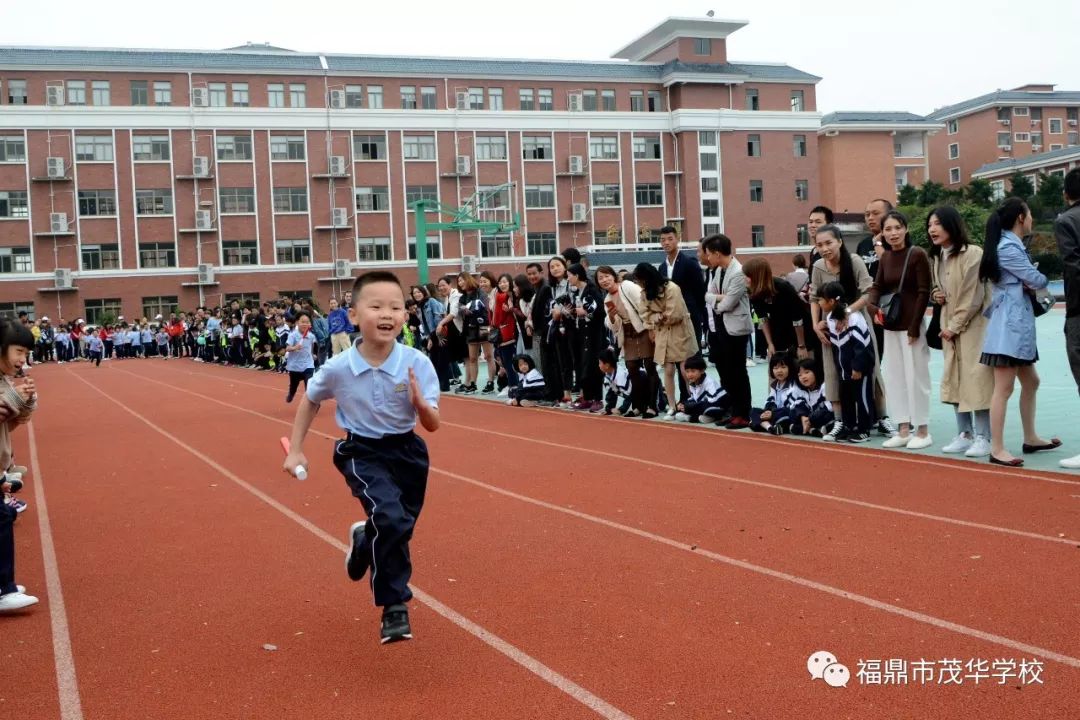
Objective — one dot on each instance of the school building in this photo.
(133, 181)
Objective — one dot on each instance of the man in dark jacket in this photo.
(683, 270)
(1067, 232)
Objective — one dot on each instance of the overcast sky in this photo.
(914, 55)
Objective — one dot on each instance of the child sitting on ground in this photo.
(619, 387)
(530, 388)
(775, 416)
(708, 402)
(811, 413)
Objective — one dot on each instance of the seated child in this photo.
(811, 412)
(775, 416)
(708, 402)
(530, 389)
(620, 388)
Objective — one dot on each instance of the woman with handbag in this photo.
(1009, 347)
(663, 310)
(902, 291)
(966, 384)
(504, 330)
(628, 327)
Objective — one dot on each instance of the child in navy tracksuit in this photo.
(707, 402)
(775, 417)
(530, 388)
(854, 356)
(811, 411)
(621, 394)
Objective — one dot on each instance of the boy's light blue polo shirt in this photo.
(374, 402)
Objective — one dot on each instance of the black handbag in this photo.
(1041, 301)
(933, 330)
(890, 304)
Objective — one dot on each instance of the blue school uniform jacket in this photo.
(852, 349)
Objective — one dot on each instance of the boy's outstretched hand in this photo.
(429, 416)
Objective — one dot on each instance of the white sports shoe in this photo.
(959, 444)
(980, 448)
(16, 601)
(897, 441)
(919, 443)
(682, 417)
(1072, 463)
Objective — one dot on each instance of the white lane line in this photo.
(742, 564)
(595, 703)
(67, 684)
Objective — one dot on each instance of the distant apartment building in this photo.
(135, 181)
(867, 155)
(1055, 162)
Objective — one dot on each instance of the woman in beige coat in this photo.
(664, 312)
(626, 324)
(966, 384)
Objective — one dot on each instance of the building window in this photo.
(1036, 140)
(372, 199)
(98, 311)
(12, 148)
(646, 147)
(649, 194)
(240, 252)
(491, 147)
(293, 252)
(140, 94)
(76, 92)
(240, 97)
(536, 147)
(16, 92)
(1020, 111)
(607, 100)
(541, 244)
(757, 235)
(253, 297)
(408, 97)
(1071, 138)
(545, 98)
(802, 235)
(1055, 126)
(495, 99)
(160, 305)
(275, 95)
(1004, 139)
(157, 255)
(637, 101)
(237, 200)
(702, 46)
(218, 94)
(539, 196)
(802, 190)
(710, 185)
(297, 95)
(953, 127)
(753, 102)
(354, 96)
(290, 200)
(954, 175)
(753, 145)
(525, 99)
(369, 147)
(13, 204)
(476, 98)
(1022, 137)
(434, 248)
(234, 147)
(757, 191)
(605, 195)
(101, 257)
(998, 189)
(15, 260)
(496, 245)
(162, 93)
(708, 161)
(428, 98)
(1055, 146)
(604, 148)
(101, 92)
(954, 151)
(655, 103)
(710, 208)
(706, 138)
(150, 148)
(373, 249)
(799, 144)
(797, 101)
(287, 147)
(154, 202)
(97, 203)
(415, 193)
(588, 100)
(419, 147)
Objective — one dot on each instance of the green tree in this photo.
(930, 193)
(1051, 193)
(980, 192)
(1020, 186)
(908, 195)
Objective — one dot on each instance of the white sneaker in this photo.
(682, 417)
(919, 443)
(750, 363)
(505, 392)
(16, 601)
(959, 444)
(981, 448)
(1072, 463)
(670, 414)
(528, 403)
(897, 441)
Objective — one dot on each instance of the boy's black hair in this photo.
(370, 278)
(607, 356)
(15, 333)
(807, 364)
(528, 361)
(572, 255)
(694, 363)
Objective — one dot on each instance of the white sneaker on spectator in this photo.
(1072, 463)
(919, 443)
(16, 601)
(505, 392)
(670, 414)
(959, 444)
(979, 448)
(528, 403)
(750, 363)
(682, 417)
(897, 441)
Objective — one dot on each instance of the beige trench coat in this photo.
(965, 382)
(668, 316)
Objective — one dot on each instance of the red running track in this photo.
(568, 566)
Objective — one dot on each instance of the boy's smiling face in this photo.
(379, 312)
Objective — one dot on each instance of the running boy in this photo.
(381, 387)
